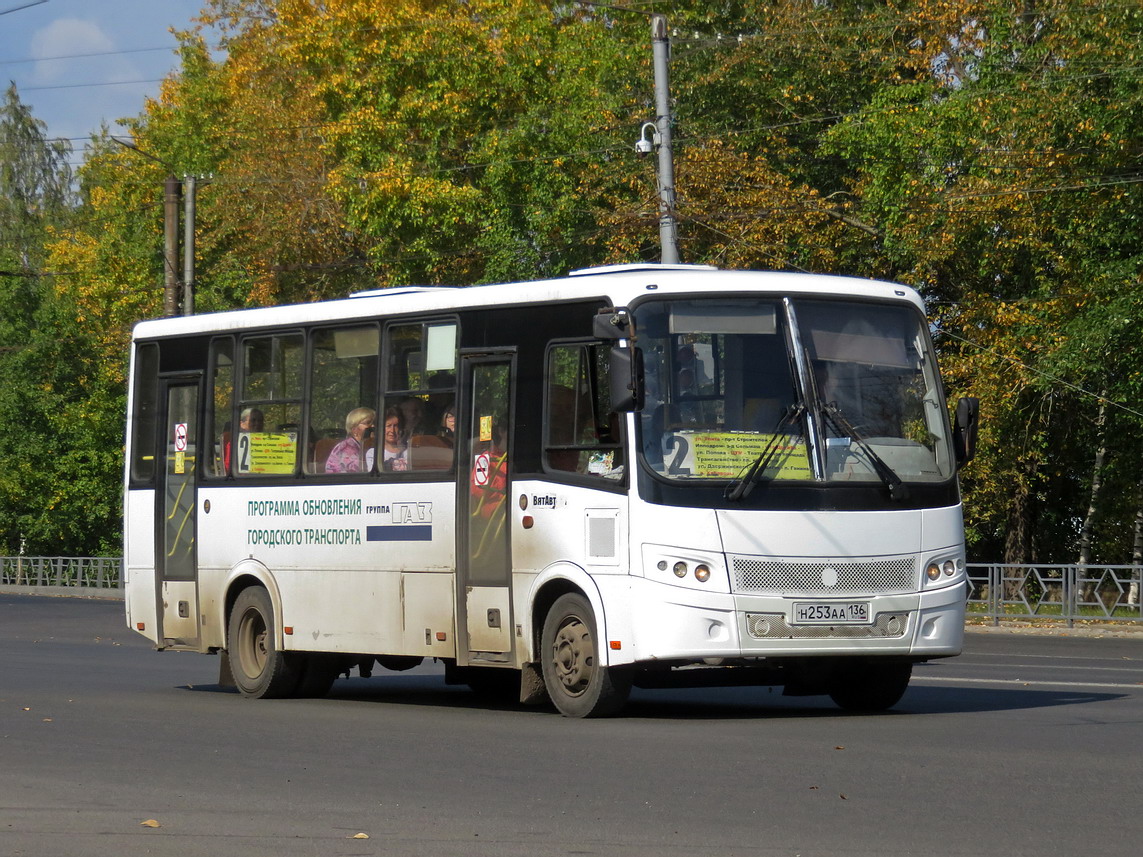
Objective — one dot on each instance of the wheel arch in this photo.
(556, 580)
(245, 574)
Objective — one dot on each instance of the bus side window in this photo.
(420, 385)
(343, 378)
(144, 413)
(220, 401)
(271, 384)
(582, 433)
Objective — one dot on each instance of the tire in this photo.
(260, 670)
(576, 682)
(870, 687)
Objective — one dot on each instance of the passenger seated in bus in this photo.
(395, 451)
(447, 430)
(414, 417)
(349, 455)
(252, 419)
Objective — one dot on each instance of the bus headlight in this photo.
(675, 566)
(939, 568)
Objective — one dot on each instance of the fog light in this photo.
(680, 569)
(949, 567)
(702, 573)
(933, 571)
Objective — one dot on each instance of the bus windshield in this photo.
(791, 390)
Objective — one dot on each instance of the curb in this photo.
(63, 591)
(1059, 629)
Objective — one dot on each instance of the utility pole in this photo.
(171, 189)
(190, 188)
(660, 51)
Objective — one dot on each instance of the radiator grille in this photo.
(770, 626)
(752, 574)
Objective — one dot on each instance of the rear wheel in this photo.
(576, 680)
(870, 687)
(260, 670)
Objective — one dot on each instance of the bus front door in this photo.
(484, 561)
(175, 561)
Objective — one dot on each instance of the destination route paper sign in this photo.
(724, 455)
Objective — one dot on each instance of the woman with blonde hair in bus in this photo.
(349, 455)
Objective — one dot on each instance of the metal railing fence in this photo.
(98, 572)
(1054, 592)
(996, 591)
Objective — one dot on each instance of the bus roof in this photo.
(618, 284)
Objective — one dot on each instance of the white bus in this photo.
(648, 476)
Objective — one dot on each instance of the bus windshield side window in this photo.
(582, 432)
(343, 400)
(270, 406)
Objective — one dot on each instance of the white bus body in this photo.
(776, 502)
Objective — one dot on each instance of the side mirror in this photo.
(626, 377)
(965, 429)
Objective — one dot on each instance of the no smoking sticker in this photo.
(480, 469)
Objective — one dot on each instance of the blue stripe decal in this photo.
(402, 533)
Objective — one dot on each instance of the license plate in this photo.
(831, 613)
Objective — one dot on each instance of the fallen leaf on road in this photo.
(150, 822)
(360, 836)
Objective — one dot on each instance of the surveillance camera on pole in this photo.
(645, 146)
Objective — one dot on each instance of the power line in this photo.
(86, 85)
(87, 55)
(1048, 375)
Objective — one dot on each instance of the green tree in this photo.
(58, 481)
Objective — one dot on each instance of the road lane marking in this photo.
(1025, 682)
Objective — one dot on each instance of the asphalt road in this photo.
(1025, 745)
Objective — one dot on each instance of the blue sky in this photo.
(131, 49)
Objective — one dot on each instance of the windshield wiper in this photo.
(897, 489)
(741, 486)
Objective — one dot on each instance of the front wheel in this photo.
(870, 687)
(576, 680)
(260, 669)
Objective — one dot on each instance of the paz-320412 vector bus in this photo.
(640, 475)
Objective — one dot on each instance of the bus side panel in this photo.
(362, 568)
(139, 587)
(577, 528)
(572, 524)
